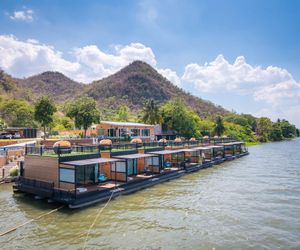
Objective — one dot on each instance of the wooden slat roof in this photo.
(133, 156)
(89, 161)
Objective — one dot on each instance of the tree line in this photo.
(174, 115)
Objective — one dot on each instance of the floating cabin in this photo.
(84, 175)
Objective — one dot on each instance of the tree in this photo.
(2, 125)
(276, 132)
(176, 116)
(288, 130)
(84, 111)
(17, 113)
(264, 125)
(123, 114)
(43, 112)
(151, 113)
(219, 126)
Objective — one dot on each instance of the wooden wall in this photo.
(105, 169)
(67, 186)
(41, 168)
(119, 176)
(2, 160)
(141, 165)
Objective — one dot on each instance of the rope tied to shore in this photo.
(96, 218)
(29, 221)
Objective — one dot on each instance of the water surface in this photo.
(249, 203)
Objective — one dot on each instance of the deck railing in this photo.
(117, 147)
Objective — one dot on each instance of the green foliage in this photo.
(17, 113)
(276, 132)
(206, 127)
(288, 130)
(123, 114)
(219, 126)
(61, 122)
(84, 111)
(242, 133)
(176, 116)
(264, 126)
(43, 112)
(2, 125)
(151, 114)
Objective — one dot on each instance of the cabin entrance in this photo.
(87, 174)
(132, 167)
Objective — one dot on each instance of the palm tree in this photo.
(151, 113)
(219, 126)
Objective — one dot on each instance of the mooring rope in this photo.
(29, 221)
(96, 218)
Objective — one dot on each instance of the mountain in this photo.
(54, 84)
(139, 82)
(131, 86)
(7, 83)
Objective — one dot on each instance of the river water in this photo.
(249, 203)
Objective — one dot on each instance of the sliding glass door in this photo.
(87, 174)
(131, 167)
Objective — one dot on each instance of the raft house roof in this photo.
(89, 161)
(196, 149)
(232, 143)
(133, 156)
(166, 152)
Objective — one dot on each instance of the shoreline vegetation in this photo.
(173, 115)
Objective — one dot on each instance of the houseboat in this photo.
(80, 176)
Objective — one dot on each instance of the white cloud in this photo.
(221, 75)
(25, 58)
(22, 15)
(171, 76)
(274, 88)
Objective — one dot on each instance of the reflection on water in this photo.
(250, 203)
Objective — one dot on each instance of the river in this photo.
(249, 203)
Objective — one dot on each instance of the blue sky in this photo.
(176, 37)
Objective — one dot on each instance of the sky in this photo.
(243, 55)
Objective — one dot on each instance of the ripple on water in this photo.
(250, 203)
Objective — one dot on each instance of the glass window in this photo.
(135, 132)
(146, 132)
(132, 167)
(120, 165)
(101, 131)
(67, 175)
(111, 132)
(123, 132)
(87, 174)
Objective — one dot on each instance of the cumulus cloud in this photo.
(22, 15)
(25, 58)
(171, 76)
(271, 86)
(220, 74)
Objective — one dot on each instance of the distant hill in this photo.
(132, 86)
(54, 84)
(7, 83)
(139, 82)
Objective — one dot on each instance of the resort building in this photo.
(121, 130)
